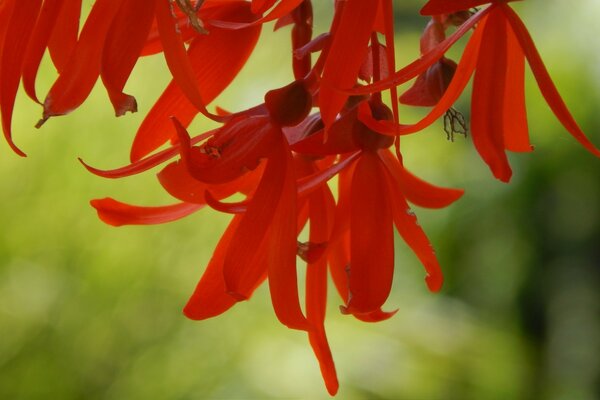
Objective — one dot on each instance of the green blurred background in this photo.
(89, 311)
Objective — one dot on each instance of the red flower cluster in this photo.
(330, 121)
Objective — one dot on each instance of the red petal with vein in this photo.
(115, 213)
(64, 35)
(17, 35)
(371, 237)
(516, 133)
(416, 190)
(281, 244)
(463, 73)
(177, 59)
(38, 43)
(122, 49)
(229, 51)
(321, 209)
(347, 52)
(488, 97)
(434, 7)
(210, 297)
(549, 91)
(79, 75)
(419, 66)
(414, 236)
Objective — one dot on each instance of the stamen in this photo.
(454, 122)
(191, 10)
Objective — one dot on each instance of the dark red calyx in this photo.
(368, 139)
(289, 105)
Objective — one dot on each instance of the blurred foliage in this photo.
(94, 312)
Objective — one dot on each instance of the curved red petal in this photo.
(414, 236)
(549, 91)
(489, 82)
(210, 297)
(116, 213)
(17, 34)
(416, 190)
(80, 73)
(122, 49)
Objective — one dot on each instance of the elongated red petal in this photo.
(416, 190)
(79, 75)
(64, 35)
(177, 59)
(371, 237)
(321, 209)
(145, 163)
(38, 43)
(283, 280)
(414, 236)
(516, 132)
(115, 213)
(210, 297)
(229, 51)
(489, 83)
(547, 87)
(242, 266)
(346, 55)
(16, 37)
(122, 49)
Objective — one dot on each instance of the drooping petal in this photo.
(116, 213)
(64, 35)
(210, 297)
(489, 83)
(416, 190)
(516, 133)
(16, 37)
(38, 43)
(80, 73)
(346, 54)
(281, 242)
(122, 49)
(371, 237)
(547, 87)
(414, 236)
(177, 59)
(321, 209)
(228, 50)
(242, 267)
